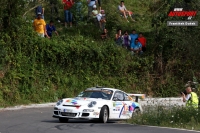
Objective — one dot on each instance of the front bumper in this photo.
(75, 114)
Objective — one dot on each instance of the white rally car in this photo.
(97, 103)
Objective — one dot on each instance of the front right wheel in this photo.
(103, 117)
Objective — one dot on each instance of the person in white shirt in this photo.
(124, 11)
(101, 19)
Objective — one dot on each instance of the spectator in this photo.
(142, 40)
(101, 17)
(91, 3)
(104, 35)
(50, 28)
(137, 48)
(126, 40)
(133, 37)
(118, 37)
(39, 9)
(124, 12)
(190, 98)
(94, 15)
(68, 15)
(40, 25)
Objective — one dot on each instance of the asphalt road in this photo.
(40, 120)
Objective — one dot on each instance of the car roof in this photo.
(100, 88)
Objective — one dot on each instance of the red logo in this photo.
(182, 13)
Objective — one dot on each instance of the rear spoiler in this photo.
(136, 96)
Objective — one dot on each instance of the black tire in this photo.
(104, 115)
(63, 120)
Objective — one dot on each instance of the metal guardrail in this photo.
(168, 101)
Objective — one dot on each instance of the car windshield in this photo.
(103, 94)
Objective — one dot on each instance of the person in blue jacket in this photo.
(133, 36)
(137, 47)
(50, 28)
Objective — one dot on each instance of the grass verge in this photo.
(169, 116)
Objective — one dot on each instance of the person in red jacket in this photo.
(68, 14)
(142, 40)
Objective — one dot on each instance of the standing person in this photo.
(39, 9)
(40, 25)
(50, 28)
(101, 17)
(124, 12)
(190, 98)
(126, 40)
(68, 14)
(91, 3)
(94, 15)
(133, 36)
(118, 37)
(142, 40)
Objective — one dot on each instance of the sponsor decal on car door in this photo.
(117, 104)
(127, 109)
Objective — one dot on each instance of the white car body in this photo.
(112, 106)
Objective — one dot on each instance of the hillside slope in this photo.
(35, 70)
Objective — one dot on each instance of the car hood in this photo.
(80, 101)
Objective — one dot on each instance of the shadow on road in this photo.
(77, 121)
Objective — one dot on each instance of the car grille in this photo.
(68, 114)
(76, 106)
(85, 114)
(70, 105)
(56, 112)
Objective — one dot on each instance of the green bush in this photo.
(40, 70)
(174, 116)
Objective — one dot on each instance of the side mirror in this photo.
(115, 99)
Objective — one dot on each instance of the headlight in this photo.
(92, 104)
(59, 102)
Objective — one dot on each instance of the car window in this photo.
(119, 95)
(104, 94)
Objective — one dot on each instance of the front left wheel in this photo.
(104, 115)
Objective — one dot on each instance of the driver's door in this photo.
(117, 106)
(127, 108)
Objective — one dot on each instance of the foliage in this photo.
(35, 70)
(175, 57)
(173, 116)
